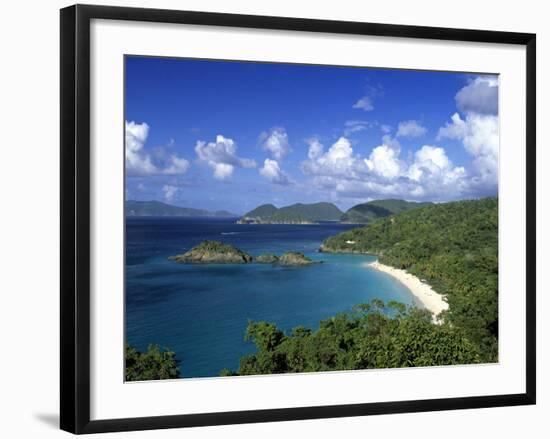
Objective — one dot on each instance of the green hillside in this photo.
(366, 213)
(157, 208)
(264, 210)
(454, 246)
(295, 213)
(373, 335)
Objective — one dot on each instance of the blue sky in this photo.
(233, 135)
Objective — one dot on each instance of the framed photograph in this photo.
(268, 219)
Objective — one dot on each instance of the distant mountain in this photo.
(295, 214)
(158, 208)
(366, 213)
(264, 210)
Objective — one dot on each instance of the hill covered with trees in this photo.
(366, 213)
(298, 213)
(454, 246)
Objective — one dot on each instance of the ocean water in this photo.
(201, 311)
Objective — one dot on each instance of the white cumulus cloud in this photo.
(480, 137)
(430, 174)
(139, 162)
(275, 142)
(384, 162)
(222, 171)
(478, 130)
(221, 157)
(426, 172)
(432, 164)
(479, 96)
(272, 172)
(337, 160)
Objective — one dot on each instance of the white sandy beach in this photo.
(431, 300)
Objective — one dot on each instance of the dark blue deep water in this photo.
(201, 311)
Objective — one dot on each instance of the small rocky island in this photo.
(215, 252)
(294, 258)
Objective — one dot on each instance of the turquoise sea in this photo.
(201, 311)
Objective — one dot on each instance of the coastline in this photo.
(430, 300)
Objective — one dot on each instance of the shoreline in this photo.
(430, 299)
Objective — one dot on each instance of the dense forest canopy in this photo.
(264, 210)
(154, 364)
(366, 213)
(296, 212)
(373, 335)
(454, 246)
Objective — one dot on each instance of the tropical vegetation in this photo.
(374, 335)
(366, 213)
(454, 247)
(295, 213)
(154, 364)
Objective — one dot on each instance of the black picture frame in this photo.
(75, 217)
